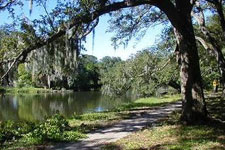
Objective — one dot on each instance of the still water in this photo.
(36, 107)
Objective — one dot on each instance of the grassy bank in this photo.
(59, 129)
(91, 121)
(25, 90)
(143, 103)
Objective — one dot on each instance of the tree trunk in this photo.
(219, 9)
(218, 4)
(193, 105)
(219, 58)
(216, 49)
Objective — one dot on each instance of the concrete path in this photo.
(140, 119)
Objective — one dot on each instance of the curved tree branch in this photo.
(4, 6)
(78, 20)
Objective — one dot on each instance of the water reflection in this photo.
(37, 107)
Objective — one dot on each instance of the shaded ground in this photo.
(173, 135)
(216, 106)
(139, 119)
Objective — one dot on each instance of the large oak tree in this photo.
(179, 14)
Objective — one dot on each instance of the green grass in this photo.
(172, 135)
(27, 90)
(150, 102)
(92, 121)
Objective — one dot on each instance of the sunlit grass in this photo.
(91, 121)
(27, 90)
(150, 102)
(173, 136)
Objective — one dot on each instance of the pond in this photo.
(36, 107)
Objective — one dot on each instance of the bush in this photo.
(10, 130)
(55, 128)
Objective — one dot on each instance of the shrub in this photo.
(10, 130)
(55, 128)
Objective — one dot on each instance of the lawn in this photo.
(173, 135)
(176, 137)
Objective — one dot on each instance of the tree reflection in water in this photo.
(36, 107)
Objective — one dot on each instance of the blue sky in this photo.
(103, 42)
(102, 46)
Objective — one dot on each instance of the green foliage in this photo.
(2, 90)
(52, 129)
(88, 74)
(133, 22)
(10, 44)
(10, 130)
(55, 128)
(24, 77)
(143, 74)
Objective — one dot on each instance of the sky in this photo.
(103, 45)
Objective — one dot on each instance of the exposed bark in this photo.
(212, 45)
(194, 107)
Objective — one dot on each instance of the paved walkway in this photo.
(140, 119)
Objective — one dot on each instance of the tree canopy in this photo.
(73, 20)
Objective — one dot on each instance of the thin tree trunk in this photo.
(219, 8)
(213, 44)
(219, 57)
(218, 5)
